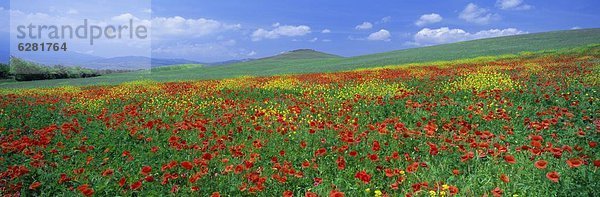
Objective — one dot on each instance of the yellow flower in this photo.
(432, 193)
(368, 190)
(442, 193)
(378, 193)
(445, 187)
(401, 172)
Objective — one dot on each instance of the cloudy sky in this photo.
(210, 31)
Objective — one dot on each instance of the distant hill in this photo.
(133, 63)
(68, 58)
(99, 63)
(284, 64)
(301, 54)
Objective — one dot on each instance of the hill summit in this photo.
(302, 54)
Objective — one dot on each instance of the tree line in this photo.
(23, 70)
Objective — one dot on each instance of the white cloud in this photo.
(251, 53)
(179, 26)
(512, 5)
(381, 35)
(444, 35)
(285, 30)
(364, 25)
(576, 27)
(474, 14)
(326, 40)
(386, 19)
(313, 40)
(428, 19)
(275, 24)
(326, 31)
(147, 11)
(73, 11)
(124, 17)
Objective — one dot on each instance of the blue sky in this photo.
(210, 31)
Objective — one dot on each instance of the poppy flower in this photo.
(288, 193)
(363, 176)
(122, 182)
(455, 172)
(146, 170)
(575, 162)
(504, 178)
(108, 172)
(553, 176)
(335, 193)
(35, 185)
(597, 163)
(215, 194)
(509, 159)
(187, 165)
(310, 194)
(541, 164)
(496, 192)
(137, 185)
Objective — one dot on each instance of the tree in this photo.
(4, 71)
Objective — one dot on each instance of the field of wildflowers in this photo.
(511, 127)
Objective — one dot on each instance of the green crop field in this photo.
(308, 61)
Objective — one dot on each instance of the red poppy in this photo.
(288, 193)
(149, 179)
(575, 162)
(335, 193)
(35, 185)
(146, 170)
(187, 165)
(597, 163)
(320, 152)
(455, 172)
(504, 178)
(363, 176)
(310, 194)
(453, 190)
(541, 164)
(553, 176)
(341, 163)
(137, 185)
(215, 194)
(510, 159)
(86, 190)
(108, 172)
(376, 146)
(496, 192)
(122, 182)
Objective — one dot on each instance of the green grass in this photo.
(308, 61)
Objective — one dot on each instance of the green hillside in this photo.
(307, 61)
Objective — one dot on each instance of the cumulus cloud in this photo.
(179, 26)
(474, 14)
(386, 19)
(280, 31)
(326, 31)
(444, 35)
(381, 35)
(512, 5)
(428, 19)
(364, 26)
(576, 27)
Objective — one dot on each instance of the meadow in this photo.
(303, 61)
(516, 126)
